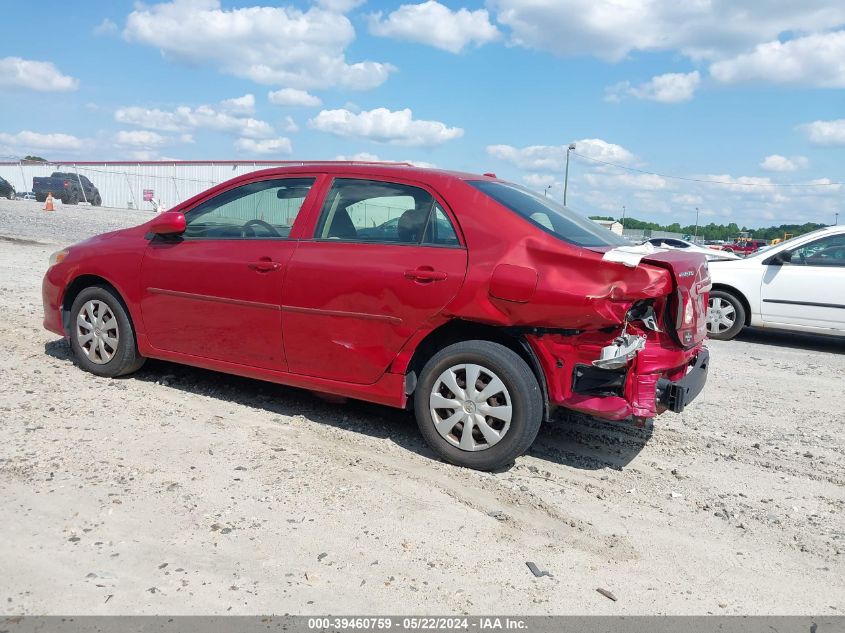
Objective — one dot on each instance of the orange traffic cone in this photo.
(48, 204)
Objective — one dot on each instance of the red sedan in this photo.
(481, 305)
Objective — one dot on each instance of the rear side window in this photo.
(375, 211)
(550, 216)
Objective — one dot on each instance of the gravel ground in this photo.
(181, 491)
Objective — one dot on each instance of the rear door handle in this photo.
(425, 274)
(265, 265)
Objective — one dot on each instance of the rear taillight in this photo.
(688, 312)
(67, 184)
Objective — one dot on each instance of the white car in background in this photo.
(797, 285)
(710, 253)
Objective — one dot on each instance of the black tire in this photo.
(72, 198)
(97, 200)
(526, 401)
(735, 312)
(11, 195)
(40, 198)
(125, 358)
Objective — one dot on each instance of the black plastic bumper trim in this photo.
(675, 396)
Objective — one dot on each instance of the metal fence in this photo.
(640, 235)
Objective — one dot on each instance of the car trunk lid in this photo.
(686, 318)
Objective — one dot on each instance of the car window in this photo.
(827, 251)
(376, 211)
(549, 215)
(440, 231)
(259, 210)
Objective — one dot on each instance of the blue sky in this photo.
(746, 95)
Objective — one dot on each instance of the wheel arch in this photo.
(459, 330)
(739, 295)
(82, 282)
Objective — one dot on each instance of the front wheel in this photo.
(478, 405)
(725, 315)
(101, 335)
(11, 195)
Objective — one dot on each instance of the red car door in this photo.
(216, 291)
(385, 258)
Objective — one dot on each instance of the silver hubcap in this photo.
(721, 316)
(97, 332)
(471, 407)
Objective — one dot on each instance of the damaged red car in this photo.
(475, 302)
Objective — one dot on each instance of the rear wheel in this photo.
(478, 405)
(73, 198)
(725, 315)
(101, 335)
(11, 195)
(97, 200)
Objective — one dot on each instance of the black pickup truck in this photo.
(70, 188)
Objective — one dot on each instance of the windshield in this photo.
(549, 215)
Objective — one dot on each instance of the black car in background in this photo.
(6, 189)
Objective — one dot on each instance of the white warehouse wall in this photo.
(121, 184)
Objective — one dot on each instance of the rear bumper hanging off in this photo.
(675, 396)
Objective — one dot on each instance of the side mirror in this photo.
(169, 223)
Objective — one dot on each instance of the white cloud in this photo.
(31, 75)
(367, 157)
(814, 60)
(106, 27)
(139, 138)
(294, 97)
(776, 162)
(269, 45)
(26, 140)
(280, 145)
(222, 118)
(384, 126)
(239, 105)
(700, 29)
(290, 125)
(436, 25)
(552, 158)
(825, 132)
(667, 88)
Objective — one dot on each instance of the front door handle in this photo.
(425, 274)
(265, 265)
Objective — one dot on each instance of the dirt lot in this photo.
(185, 491)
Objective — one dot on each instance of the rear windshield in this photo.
(550, 216)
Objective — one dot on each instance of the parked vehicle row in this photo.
(709, 253)
(479, 304)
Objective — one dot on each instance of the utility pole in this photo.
(546, 190)
(836, 219)
(623, 218)
(566, 176)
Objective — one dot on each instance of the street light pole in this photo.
(566, 176)
(546, 190)
(695, 236)
(836, 219)
(623, 218)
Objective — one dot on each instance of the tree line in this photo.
(713, 231)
